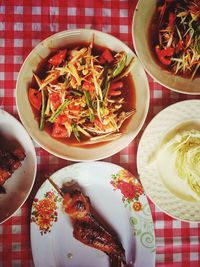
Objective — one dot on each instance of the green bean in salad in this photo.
(120, 66)
(42, 117)
(58, 111)
(80, 93)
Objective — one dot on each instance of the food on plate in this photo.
(86, 227)
(175, 36)
(182, 152)
(10, 161)
(186, 146)
(83, 94)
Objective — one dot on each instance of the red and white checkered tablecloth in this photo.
(23, 24)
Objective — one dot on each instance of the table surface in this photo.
(23, 24)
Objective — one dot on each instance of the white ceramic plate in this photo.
(134, 228)
(168, 196)
(55, 147)
(19, 185)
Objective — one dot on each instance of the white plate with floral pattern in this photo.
(118, 198)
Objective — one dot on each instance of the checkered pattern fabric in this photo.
(23, 24)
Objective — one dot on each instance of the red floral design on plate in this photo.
(44, 212)
(130, 188)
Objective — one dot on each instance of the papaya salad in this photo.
(77, 93)
(177, 36)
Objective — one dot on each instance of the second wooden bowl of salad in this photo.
(81, 99)
(166, 35)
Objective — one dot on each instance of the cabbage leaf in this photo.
(186, 145)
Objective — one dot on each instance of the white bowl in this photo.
(140, 30)
(55, 147)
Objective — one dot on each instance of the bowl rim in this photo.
(148, 70)
(19, 124)
(117, 148)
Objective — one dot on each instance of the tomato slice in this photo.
(107, 55)
(162, 56)
(88, 86)
(35, 98)
(55, 99)
(59, 131)
(58, 58)
(62, 118)
(74, 107)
